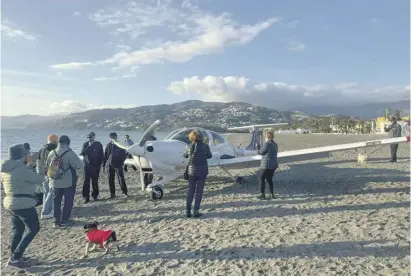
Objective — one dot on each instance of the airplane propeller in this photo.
(141, 150)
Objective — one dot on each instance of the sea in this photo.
(37, 139)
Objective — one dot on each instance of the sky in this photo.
(70, 56)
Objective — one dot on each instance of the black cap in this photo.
(113, 135)
(64, 139)
(91, 134)
(26, 146)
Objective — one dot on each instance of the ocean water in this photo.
(37, 139)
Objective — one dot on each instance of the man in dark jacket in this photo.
(268, 165)
(394, 131)
(115, 157)
(93, 157)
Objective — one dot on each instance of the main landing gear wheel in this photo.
(240, 180)
(157, 193)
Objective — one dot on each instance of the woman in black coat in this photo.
(197, 170)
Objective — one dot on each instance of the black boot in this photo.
(261, 196)
(197, 214)
(188, 213)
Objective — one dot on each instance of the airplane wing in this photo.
(252, 127)
(303, 154)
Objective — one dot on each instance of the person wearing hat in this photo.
(47, 208)
(20, 201)
(394, 130)
(63, 185)
(115, 157)
(93, 157)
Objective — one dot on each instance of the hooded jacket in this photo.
(70, 161)
(269, 153)
(17, 179)
(42, 158)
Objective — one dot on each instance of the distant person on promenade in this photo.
(197, 169)
(129, 143)
(62, 165)
(394, 131)
(93, 157)
(115, 157)
(268, 164)
(47, 208)
(20, 201)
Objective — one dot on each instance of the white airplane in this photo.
(165, 157)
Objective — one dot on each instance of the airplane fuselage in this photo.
(168, 155)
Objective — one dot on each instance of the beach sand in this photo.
(333, 217)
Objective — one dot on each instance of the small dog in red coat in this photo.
(102, 238)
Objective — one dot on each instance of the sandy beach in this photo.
(332, 217)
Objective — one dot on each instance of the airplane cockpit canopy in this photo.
(182, 135)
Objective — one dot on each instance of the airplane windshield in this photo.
(182, 135)
(171, 134)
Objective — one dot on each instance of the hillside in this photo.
(22, 121)
(189, 113)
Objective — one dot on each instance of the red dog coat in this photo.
(98, 236)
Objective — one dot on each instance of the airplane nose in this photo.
(137, 150)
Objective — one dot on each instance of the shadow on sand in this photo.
(172, 251)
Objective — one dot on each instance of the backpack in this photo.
(117, 156)
(55, 169)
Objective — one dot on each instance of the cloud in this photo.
(71, 106)
(287, 96)
(71, 65)
(11, 31)
(296, 46)
(77, 13)
(185, 31)
(58, 76)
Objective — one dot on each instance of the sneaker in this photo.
(112, 196)
(125, 195)
(188, 214)
(261, 196)
(56, 225)
(273, 196)
(17, 264)
(86, 200)
(65, 223)
(197, 214)
(48, 216)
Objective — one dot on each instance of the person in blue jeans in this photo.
(65, 186)
(19, 184)
(198, 154)
(47, 208)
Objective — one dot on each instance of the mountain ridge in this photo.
(217, 115)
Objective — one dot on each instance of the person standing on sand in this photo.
(268, 165)
(115, 156)
(197, 169)
(394, 130)
(47, 208)
(63, 185)
(20, 201)
(93, 157)
(129, 143)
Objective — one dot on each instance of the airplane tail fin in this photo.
(256, 139)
